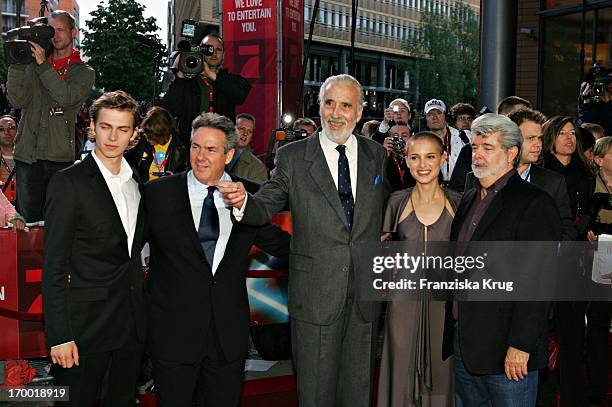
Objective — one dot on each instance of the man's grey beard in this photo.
(338, 139)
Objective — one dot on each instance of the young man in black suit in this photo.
(196, 288)
(92, 283)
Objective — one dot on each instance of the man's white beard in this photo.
(337, 138)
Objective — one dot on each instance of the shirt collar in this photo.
(500, 183)
(525, 174)
(194, 183)
(327, 144)
(125, 172)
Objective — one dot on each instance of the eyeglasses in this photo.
(8, 128)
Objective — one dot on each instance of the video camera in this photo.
(284, 135)
(17, 50)
(190, 52)
(599, 78)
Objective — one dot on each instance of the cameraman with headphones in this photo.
(49, 92)
(214, 90)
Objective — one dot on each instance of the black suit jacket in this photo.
(553, 184)
(519, 212)
(92, 288)
(182, 292)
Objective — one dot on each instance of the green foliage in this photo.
(124, 49)
(449, 44)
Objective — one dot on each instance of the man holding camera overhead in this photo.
(215, 89)
(49, 92)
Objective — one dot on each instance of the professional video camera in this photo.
(190, 52)
(599, 78)
(283, 135)
(17, 50)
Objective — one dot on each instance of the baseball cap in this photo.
(435, 104)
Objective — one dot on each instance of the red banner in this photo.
(293, 38)
(251, 49)
(21, 258)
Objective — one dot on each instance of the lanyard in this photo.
(162, 165)
(210, 94)
(604, 182)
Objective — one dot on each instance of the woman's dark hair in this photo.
(158, 125)
(551, 130)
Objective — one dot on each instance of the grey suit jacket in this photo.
(322, 246)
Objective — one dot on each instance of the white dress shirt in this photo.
(124, 190)
(332, 155)
(197, 194)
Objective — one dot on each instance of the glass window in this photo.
(562, 60)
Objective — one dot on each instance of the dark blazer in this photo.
(92, 288)
(323, 248)
(141, 157)
(553, 184)
(182, 292)
(519, 212)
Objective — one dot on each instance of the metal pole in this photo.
(497, 50)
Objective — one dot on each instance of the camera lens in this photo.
(191, 62)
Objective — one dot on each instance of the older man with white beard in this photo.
(501, 367)
(334, 183)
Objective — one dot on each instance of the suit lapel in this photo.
(99, 189)
(466, 203)
(138, 232)
(319, 171)
(492, 211)
(535, 176)
(366, 171)
(183, 210)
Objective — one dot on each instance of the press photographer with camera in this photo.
(596, 98)
(398, 172)
(49, 88)
(211, 88)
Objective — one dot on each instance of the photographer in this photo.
(398, 111)
(214, 90)
(49, 92)
(398, 173)
(596, 98)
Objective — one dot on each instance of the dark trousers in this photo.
(32, 181)
(84, 381)
(571, 335)
(216, 381)
(334, 362)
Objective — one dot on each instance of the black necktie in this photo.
(208, 230)
(344, 185)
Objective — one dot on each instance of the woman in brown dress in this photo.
(412, 372)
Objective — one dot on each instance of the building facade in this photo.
(384, 28)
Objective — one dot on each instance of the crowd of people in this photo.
(168, 176)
